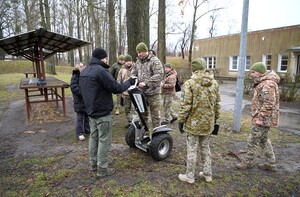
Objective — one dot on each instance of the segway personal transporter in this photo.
(159, 144)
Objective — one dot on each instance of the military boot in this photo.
(104, 172)
(207, 178)
(117, 111)
(244, 165)
(268, 167)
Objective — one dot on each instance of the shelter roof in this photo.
(40, 44)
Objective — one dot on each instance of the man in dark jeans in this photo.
(97, 86)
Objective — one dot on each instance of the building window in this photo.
(283, 60)
(211, 62)
(267, 60)
(248, 62)
(233, 65)
(234, 61)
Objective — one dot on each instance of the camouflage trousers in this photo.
(118, 100)
(259, 136)
(169, 112)
(128, 107)
(194, 144)
(100, 140)
(153, 104)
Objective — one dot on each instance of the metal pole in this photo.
(241, 69)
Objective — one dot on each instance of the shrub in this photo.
(289, 87)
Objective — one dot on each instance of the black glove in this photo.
(180, 127)
(132, 80)
(76, 72)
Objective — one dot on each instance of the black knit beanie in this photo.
(99, 53)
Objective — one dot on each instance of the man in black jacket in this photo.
(97, 86)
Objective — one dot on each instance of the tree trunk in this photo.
(78, 20)
(137, 14)
(112, 33)
(161, 35)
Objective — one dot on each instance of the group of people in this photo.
(93, 87)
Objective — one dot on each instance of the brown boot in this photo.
(268, 167)
(104, 172)
(117, 111)
(243, 165)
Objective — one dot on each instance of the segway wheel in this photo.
(161, 146)
(130, 136)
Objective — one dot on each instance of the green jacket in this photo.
(200, 103)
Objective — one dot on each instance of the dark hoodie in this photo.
(97, 86)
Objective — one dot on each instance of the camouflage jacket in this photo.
(114, 69)
(124, 75)
(151, 72)
(169, 82)
(265, 102)
(200, 103)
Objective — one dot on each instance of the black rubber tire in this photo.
(130, 136)
(161, 146)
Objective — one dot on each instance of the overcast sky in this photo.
(263, 14)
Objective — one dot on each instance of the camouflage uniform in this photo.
(265, 107)
(124, 75)
(114, 70)
(200, 105)
(168, 91)
(150, 71)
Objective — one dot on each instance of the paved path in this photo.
(289, 117)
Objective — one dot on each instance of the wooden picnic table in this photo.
(49, 92)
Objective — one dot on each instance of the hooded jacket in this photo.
(97, 86)
(265, 102)
(200, 103)
(169, 82)
(124, 75)
(75, 89)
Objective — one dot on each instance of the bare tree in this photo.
(186, 32)
(212, 28)
(196, 16)
(161, 48)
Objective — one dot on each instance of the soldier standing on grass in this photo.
(265, 112)
(200, 109)
(124, 75)
(149, 71)
(97, 86)
(168, 92)
(114, 70)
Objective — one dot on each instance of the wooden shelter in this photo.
(39, 45)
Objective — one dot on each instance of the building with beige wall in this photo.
(278, 48)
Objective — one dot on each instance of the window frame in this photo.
(280, 59)
(267, 60)
(213, 62)
(247, 60)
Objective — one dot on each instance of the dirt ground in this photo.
(41, 158)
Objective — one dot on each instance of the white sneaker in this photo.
(81, 137)
(183, 177)
(207, 178)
